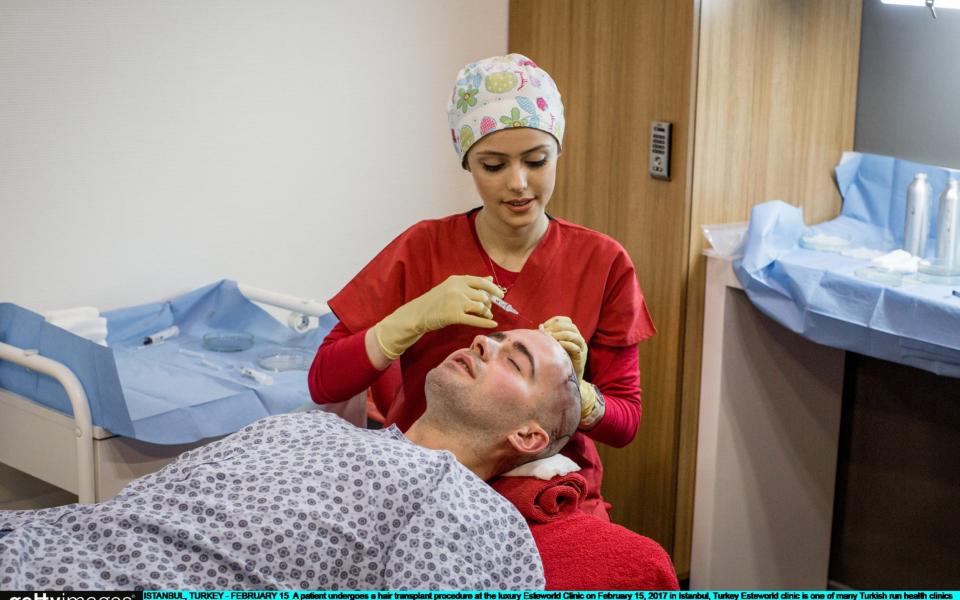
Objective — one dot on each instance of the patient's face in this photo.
(500, 378)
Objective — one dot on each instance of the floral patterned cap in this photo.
(500, 92)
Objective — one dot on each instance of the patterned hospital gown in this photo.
(298, 501)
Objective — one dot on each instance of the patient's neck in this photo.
(427, 434)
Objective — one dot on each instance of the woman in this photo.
(429, 291)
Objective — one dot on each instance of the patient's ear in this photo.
(529, 439)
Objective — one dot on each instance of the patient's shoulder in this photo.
(312, 423)
(474, 537)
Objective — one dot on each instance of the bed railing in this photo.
(83, 430)
(299, 320)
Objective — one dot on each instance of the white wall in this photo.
(147, 148)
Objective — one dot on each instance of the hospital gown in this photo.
(299, 501)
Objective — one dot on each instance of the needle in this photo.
(506, 307)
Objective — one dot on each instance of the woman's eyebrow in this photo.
(495, 153)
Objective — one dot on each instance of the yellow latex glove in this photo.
(564, 330)
(459, 300)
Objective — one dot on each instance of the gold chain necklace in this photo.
(489, 260)
(486, 256)
(493, 271)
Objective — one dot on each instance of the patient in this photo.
(308, 501)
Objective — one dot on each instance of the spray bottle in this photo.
(916, 223)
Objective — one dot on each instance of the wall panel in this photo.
(776, 97)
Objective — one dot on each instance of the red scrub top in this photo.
(573, 271)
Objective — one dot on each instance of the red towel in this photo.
(542, 501)
(582, 552)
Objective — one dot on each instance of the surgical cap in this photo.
(500, 92)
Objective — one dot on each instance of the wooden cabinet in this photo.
(761, 94)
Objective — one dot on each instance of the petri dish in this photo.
(860, 252)
(824, 242)
(938, 272)
(228, 341)
(881, 276)
(286, 360)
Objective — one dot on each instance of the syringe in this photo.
(261, 378)
(503, 304)
(161, 336)
(507, 308)
(203, 359)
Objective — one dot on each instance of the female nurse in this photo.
(429, 291)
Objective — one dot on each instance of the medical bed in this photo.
(72, 453)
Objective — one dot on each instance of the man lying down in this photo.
(308, 501)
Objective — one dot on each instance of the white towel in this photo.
(899, 261)
(98, 337)
(73, 323)
(545, 468)
(86, 312)
(90, 328)
(84, 321)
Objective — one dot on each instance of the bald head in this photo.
(513, 389)
(560, 414)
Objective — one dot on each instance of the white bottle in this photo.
(948, 222)
(916, 222)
